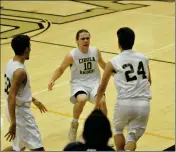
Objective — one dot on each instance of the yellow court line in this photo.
(159, 136)
(70, 116)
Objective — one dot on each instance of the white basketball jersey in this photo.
(84, 70)
(131, 79)
(24, 93)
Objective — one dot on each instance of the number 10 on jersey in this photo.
(87, 65)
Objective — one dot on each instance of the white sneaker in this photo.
(110, 143)
(73, 131)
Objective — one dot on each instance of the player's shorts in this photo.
(90, 91)
(133, 114)
(27, 132)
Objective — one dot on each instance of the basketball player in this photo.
(132, 80)
(85, 77)
(23, 130)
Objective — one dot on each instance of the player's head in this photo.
(97, 130)
(83, 39)
(126, 38)
(21, 46)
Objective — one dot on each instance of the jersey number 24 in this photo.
(132, 77)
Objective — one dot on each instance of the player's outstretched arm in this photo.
(68, 60)
(101, 62)
(104, 82)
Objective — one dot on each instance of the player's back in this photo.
(24, 94)
(131, 80)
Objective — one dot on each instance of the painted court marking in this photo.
(150, 14)
(161, 49)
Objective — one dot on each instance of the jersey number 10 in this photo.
(87, 65)
(140, 71)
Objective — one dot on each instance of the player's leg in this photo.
(131, 142)
(80, 97)
(28, 131)
(137, 125)
(16, 143)
(132, 138)
(120, 121)
(119, 141)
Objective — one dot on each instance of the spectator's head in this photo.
(21, 45)
(97, 130)
(126, 38)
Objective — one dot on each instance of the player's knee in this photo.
(81, 99)
(118, 126)
(135, 134)
(140, 132)
(117, 131)
(81, 102)
(131, 137)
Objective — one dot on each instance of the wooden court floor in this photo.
(52, 26)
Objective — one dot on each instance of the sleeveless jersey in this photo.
(131, 79)
(24, 94)
(85, 70)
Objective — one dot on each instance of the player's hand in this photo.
(50, 85)
(39, 105)
(11, 133)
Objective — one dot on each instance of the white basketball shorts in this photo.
(27, 132)
(133, 114)
(90, 91)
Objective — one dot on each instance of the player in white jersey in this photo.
(85, 77)
(132, 81)
(23, 130)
